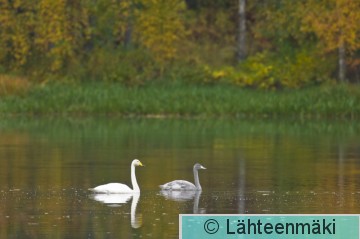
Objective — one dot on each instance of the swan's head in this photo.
(198, 166)
(137, 162)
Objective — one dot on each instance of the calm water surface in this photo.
(47, 165)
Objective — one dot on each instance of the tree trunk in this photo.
(129, 26)
(241, 38)
(342, 63)
(128, 33)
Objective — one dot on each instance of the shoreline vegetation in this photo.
(180, 59)
(178, 100)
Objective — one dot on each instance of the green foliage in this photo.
(185, 72)
(129, 67)
(302, 69)
(268, 71)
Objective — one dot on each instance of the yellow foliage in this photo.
(57, 26)
(253, 73)
(53, 36)
(15, 31)
(218, 74)
(335, 22)
(160, 28)
(266, 72)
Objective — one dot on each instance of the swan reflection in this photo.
(115, 200)
(112, 199)
(182, 196)
(178, 196)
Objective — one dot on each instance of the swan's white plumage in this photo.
(119, 187)
(112, 188)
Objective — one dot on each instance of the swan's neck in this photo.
(133, 179)
(196, 178)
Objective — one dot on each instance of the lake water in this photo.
(47, 166)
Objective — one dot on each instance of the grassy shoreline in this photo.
(177, 100)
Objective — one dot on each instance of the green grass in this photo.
(177, 100)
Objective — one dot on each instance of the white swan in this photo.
(119, 187)
(179, 185)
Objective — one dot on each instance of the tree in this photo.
(128, 14)
(241, 48)
(60, 30)
(17, 22)
(160, 28)
(336, 24)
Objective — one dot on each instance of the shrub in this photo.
(264, 70)
(130, 67)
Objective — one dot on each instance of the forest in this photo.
(257, 44)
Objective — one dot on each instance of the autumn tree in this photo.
(59, 30)
(336, 24)
(276, 39)
(17, 22)
(160, 28)
(128, 11)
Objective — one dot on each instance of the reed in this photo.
(179, 100)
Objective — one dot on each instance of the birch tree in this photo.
(336, 24)
(241, 38)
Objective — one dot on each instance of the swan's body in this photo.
(119, 187)
(182, 185)
(178, 185)
(113, 188)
